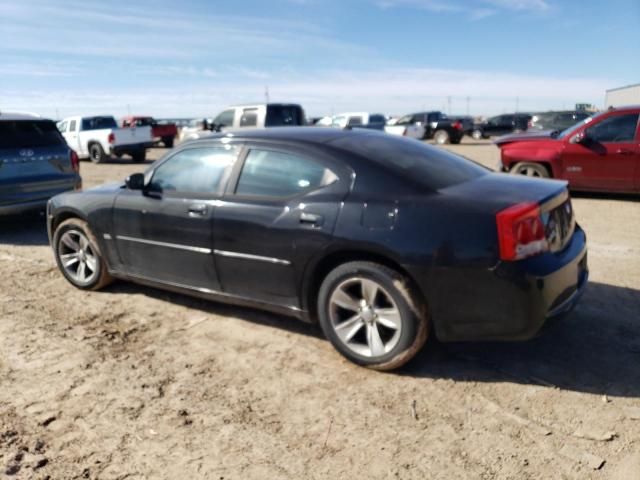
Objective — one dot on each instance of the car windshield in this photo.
(426, 165)
(404, 120)
(98, 123)
(145, 122)
(29, 134)
(569, 131)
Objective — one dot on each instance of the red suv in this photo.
(601, 153)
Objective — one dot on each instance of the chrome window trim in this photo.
(177, 246)
(247, 256)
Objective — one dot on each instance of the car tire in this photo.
(441, 137)
(168, 142)
(477, 135)
(78, 255)
(456, 141)
(343, 304)
(97, 153)
(530, 169)
(140, 156)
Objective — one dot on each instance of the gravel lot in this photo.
(137, 383)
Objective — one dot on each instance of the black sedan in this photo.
(380, 239)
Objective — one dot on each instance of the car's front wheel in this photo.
(530, 170)
(78, 255)
(371, 315)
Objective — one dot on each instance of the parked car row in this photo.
(347, 227)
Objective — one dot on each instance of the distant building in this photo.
(617, 97)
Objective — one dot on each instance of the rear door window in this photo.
(269, 173)
(29, 134)
(249, 118)
(353, 121)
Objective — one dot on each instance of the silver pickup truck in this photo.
(99, 137)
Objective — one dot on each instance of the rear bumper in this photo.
(513, 300)
(23, 207)
(128, 149)
(35, 195)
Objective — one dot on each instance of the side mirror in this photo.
(579, 138)
(135, 181)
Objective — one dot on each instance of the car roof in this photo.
(314, 135)
(20, 116)
(257, 105)
(624, 108)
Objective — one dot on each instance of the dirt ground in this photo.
(137, 383)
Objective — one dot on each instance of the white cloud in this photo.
(475, 9)
(390, 91)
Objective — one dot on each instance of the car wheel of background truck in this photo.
(476, 135)
(96, 153)
(441, 137)
(168, 142)
(530, 170)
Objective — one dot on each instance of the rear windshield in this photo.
(29, 133)
(429, 166)
(284, 115)
(97, 123)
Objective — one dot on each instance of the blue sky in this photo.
(191, 58)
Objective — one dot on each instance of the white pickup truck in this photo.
(97, 138)
(404, 127)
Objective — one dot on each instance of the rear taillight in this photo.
(521, 232)
(111, 138)
(530, 124)
(75, 161)
(457, 125)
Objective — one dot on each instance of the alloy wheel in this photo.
(529, 171)
(364, 317)
(77, 257)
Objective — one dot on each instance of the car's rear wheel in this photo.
(371, 315)
(530, 170)
(168, 142)
(477, 134)
(96, 153)
(78, 255)
(441, 137)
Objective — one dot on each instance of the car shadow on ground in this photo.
(626, 197)
(25, 229)
(248, 314)
(595, 349)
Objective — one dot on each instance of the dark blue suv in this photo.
(35, 163)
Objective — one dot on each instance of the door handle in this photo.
(197, 209)
(311, 219)
(624, 151)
